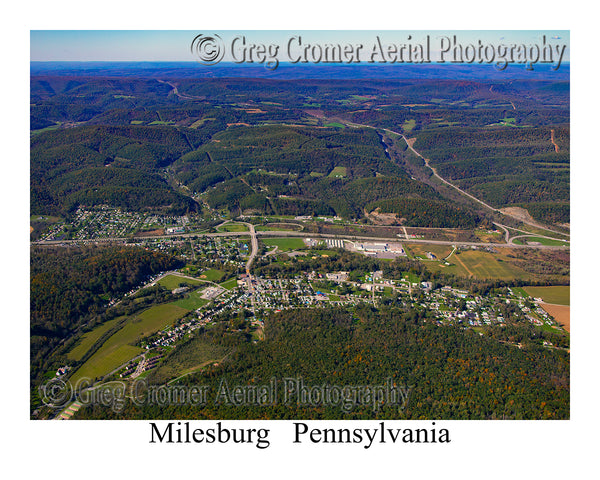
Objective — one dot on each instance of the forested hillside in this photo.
(452, 373)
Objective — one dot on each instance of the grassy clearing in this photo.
(233, 227)
(118, 348)
(105, 361)
(278, 227)
(481, 265)
(187, 357)
(212, 275)
(199, 123)
(560, 295)
(319, 252)
(335, 124)
(337, 172)
(420, 250)
(88, 339)
(229, 284)
(409, 125)
(284, 244)
(541, 240)
(171, 282)
(192, 301)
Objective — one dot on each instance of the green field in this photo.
(335, 124)
(481, 265)
(560, 295)
(192, 301)
(337, 172)
(409, 125)
(284, 244)
(212, 275)
(233, 227)
(229, 284)
(172, 282)
(421, 249)
(43, 218)
(276, 227)
(88, 339)
(118, 349)
(542, 240)
(105, 361)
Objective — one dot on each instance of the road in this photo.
(175, 91)
(462, 192)
(254, 252)
(279, 233)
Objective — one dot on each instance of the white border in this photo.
(479, 449)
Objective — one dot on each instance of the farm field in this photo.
(480, 265)
(561, 313)
(88, 339)
(105, 361)
(284, 244)
(117, 349)
(559, 295)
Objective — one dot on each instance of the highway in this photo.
(462, 192)
(254, 236)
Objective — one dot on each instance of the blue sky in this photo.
(168, 45)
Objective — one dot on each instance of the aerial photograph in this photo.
(308, 225)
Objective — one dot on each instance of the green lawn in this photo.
(105, 361)
(542, 240)
(229, 284)
(192, 301)
(561, 295)
(276, 227)
(172, 282)
(284, 244)
(88, 339)
(233, 227)
(118, 349)
(212, 275)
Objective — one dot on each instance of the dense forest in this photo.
(452, 373)
(505, 166)
(70, 286)
(265, 146)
